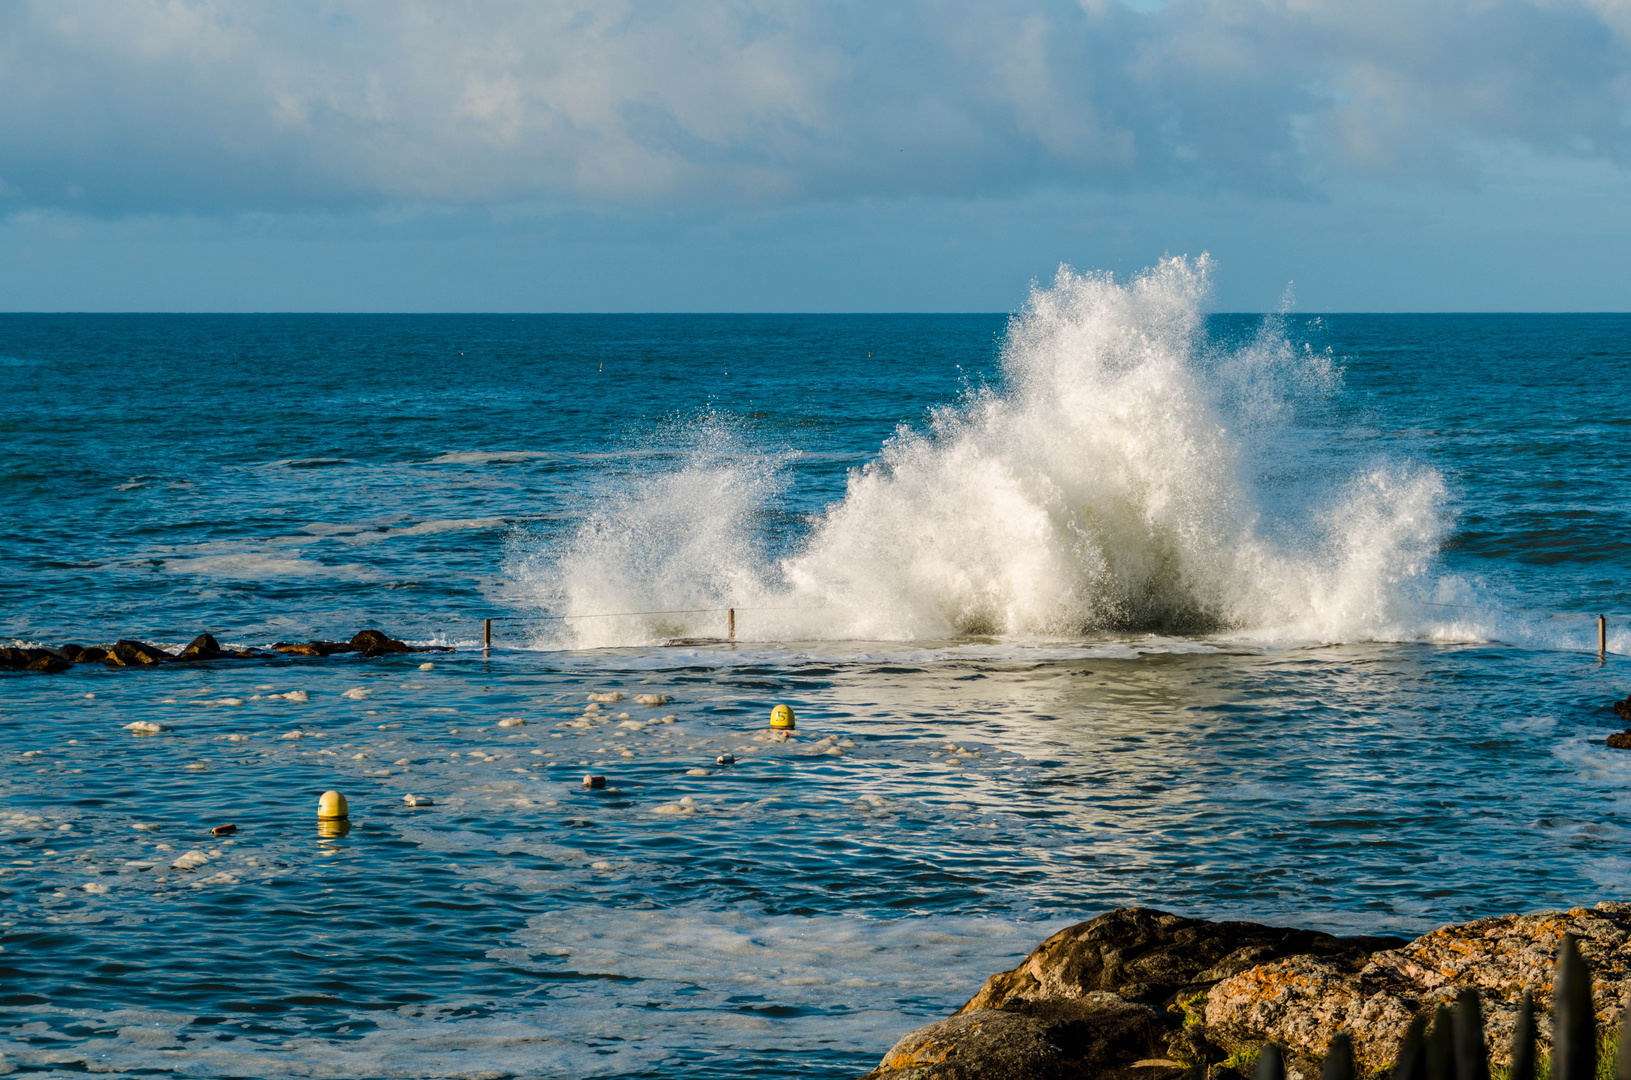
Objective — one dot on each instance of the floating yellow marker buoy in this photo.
(781, 718)
(332, 807)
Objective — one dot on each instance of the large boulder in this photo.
(81, 654)
(1107, 1037)
(127, 653)
(374, 643)
(1155, 957)
(1119, 996)
(205, 647)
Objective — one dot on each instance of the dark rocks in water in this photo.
(127, 653)
(205, 647)
(1113, 997)
(1620, 740)
(374, 643)
(1107, 1039)
(314, 648)
(80, 654)
(1622, 709)
(22, 659)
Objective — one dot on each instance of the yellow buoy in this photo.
(781, 718)
(332, 807)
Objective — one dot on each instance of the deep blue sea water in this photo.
(1286, 619)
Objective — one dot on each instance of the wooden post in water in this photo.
(486, 636)
(730, 626)
(1602, 637)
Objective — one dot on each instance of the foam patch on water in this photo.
(1126, 474)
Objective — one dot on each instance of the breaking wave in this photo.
(1125, 474)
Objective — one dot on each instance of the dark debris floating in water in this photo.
(128, 652)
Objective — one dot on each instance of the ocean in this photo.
(1113, 600)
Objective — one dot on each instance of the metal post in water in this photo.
(730, 626)
(486, 636)
(1602, 636)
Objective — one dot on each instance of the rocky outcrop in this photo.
(1149, 991)
(1620, 740)
(128, 653)
(1153, 957)
(314, 648)
(205, 647)
(1301, 1002)
(1622, 709)
(79, 654)
(18, 659)
(374, 643)
(1109, 1037)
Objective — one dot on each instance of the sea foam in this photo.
(1125, 474)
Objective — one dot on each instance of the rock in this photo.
(127, 653)
(1620, 740)
(374, 643)
(609, 697)
(651, 700)
(1133, 981)
(1154, 957)
(512, 721)
(1103, 1039)
(1622, 709)
(21, 659)
(80, 654)
(314, 648)
(1300, 1002)
(205, 647)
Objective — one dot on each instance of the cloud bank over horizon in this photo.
(216, 108)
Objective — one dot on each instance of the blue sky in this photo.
(921, 155)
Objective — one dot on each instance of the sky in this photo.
(738, 155)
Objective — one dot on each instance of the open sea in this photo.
(1111, 601)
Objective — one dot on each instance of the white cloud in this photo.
(200, 106)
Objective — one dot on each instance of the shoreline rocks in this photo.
(1141, 994)
(130, 652)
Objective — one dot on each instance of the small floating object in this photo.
(725, 759)
(697, 772)
(417, 800)
(145, 727)
(609, 697)
(652, 700)
(512, 721)
(332, 807)
(594, 783)
(781, 718)
(427, 666)
(223, 830)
